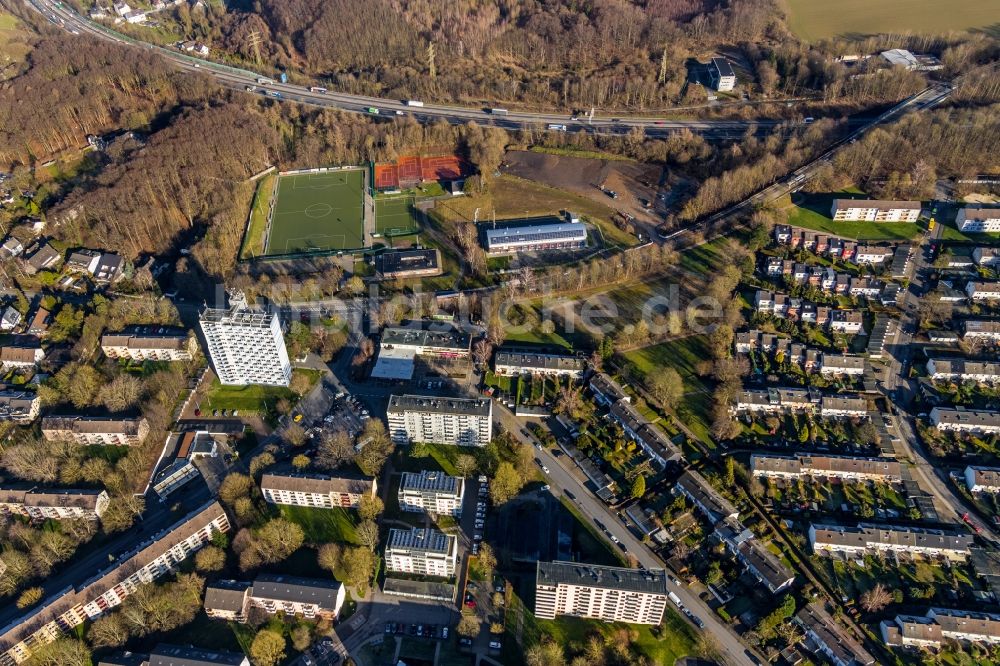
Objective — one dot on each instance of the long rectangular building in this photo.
(849, 468)
(559, 236)
(424, 552)
(611, 594)
(408, 263)
(73, 606)
(978, 219)
(95, 430)
(875, 210)
(57, 504)
(981, 329)
(432, 492)
(149, 343)
(940, 625)
(315, 490)
(830, 639)
(889, 538)
(19, 406)
(705, 498)
(400, 347)
(963, 370)
(965, 420)
(648, 436)
(437, 420)
(512, 363)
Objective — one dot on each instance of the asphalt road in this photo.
(231, 77)
(563, 475)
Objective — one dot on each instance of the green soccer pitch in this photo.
(317, 211)
(396, 216)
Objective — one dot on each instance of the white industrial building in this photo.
(246, 345)
(440, 420)
(611, 594)
(722, 75)
(535, 237)
(423, 552)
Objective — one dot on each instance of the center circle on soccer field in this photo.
(318, 210)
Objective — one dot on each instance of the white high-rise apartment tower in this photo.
(245, 344)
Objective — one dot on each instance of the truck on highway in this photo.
(414, 102)
(264, 81)
(372, 110)
(498, 112)
(317, 89)
(557, 128)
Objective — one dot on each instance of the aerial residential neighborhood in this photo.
(496, 334)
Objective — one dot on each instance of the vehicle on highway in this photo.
(251, 88)
(570, 495)
(497, 112)
(264, 81)
(275, 94)
(317, 89)
(413, 102)
(557, 128)
(372, 110)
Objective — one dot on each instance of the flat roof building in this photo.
(611, 594)
(533, 238)
(400, 347)
(977, 219)
(246, 345)
(438, 420)
(511, 363)
(177, 655)
(149, 343)
(408, 263)
(432, 492)
(291, 595)
(722, 74)
(423, 552)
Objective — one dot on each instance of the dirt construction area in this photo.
(634, 183)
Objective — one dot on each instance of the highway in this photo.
(239, 79)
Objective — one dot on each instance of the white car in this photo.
(545, 469)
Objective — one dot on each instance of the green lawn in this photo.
(253, 398)
(253, 242)
(813, 214)
(683, 355)
(396, 216)
(323, 525)
(674, 638)
(12, 43)
(703, 259)
(813, 20)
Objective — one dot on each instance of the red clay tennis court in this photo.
(412, 170)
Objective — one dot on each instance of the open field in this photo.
(513, 197)
(813, 20)
(318, 211)
(13, 48)
(253, 242)
(585, 174)
(813, 212)
(323, 525)
(683, 355)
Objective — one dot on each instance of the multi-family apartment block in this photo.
(104, 591)
(842, 364)
(291, 595)
(421, 551)
(866, 537)
(965, 420)
(636, 427)
(940, 625)
(246, 345)
(228, 600)
(843, 406)
(611, 594)
(986, 256)
(62, 504)
(180, 655)
(848, 468)
(91, 430)
(754, 555)
(437, 420)
(981, 329)
(149, 343)
(512, 363)
(432, 492)
(401, 346)
(315, 490)
(978, 220)
(982, 291)
(982, 479)
(875, 210)
(940, 369)
(850, 322)
(830, 639)
(18, 406)
(21, 356)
